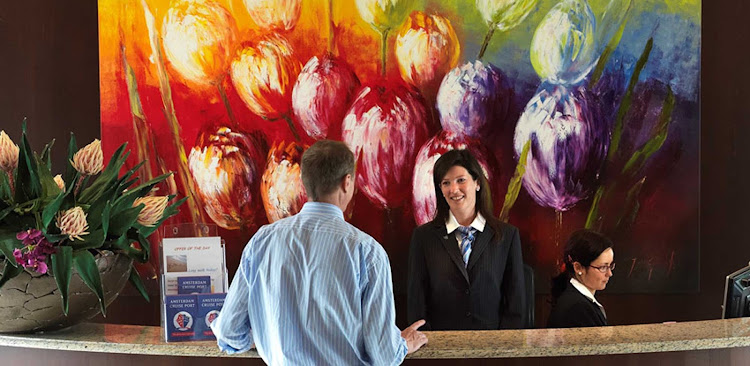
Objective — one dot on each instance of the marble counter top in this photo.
(644, 338)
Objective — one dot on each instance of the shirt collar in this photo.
(321, 208)
(584, 290)
(452, 224)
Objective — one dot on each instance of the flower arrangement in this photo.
(51, 225)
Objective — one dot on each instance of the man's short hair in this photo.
(324, 164)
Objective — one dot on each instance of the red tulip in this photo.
(384, 127)
(323, 92)
(423, 188)
(225, 166)
(281, 187)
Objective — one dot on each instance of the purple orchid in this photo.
(568, 145)
(35, 251)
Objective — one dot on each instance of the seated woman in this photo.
(465, 266)
(588, 265)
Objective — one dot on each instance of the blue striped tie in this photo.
(467, 237)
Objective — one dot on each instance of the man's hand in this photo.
(414, 338)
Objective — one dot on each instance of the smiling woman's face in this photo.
(460, 191)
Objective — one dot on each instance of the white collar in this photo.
(584, 290)
(452, 224)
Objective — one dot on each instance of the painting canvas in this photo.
(582, 114)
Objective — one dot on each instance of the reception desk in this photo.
(119, 343)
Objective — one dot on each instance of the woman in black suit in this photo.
(465, 266)
(588, 263)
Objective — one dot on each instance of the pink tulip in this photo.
(423, 188)
(281, 187)
(384, 127)
(322, 94)
(225, 166)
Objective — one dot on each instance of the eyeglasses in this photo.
(603, 269)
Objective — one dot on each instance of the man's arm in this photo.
(384, 343)
(232, 327)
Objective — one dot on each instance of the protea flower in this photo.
(60, 182)
(505, 14)
(564, 50)
(384, 127)
(72, 223)
(274, 14)
(8, 153)
(281, 187)
(568, 145)
(423, 188)
(153, 209)
(225, 166)
(199, 39)
(426, 48)
(89, 160)
(384, 14)
(264, 75)
(471, 97)
(322, 94)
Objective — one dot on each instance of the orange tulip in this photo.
(199, 39)
(426, 49)
(274, 14)
(281, 186)
(264, 74)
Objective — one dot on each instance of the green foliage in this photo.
(30, 199)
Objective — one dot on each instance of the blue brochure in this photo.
(181, 317)
(209, 306)
(193, 285)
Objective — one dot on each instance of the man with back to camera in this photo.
(312, 288)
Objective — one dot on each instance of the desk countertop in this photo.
(643, 338)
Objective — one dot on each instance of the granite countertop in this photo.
(644, 338)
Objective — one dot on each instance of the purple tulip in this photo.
(568, 145)
(473, 96)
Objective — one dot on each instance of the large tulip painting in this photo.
(582, 113)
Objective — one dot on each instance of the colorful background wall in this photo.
(51, 73)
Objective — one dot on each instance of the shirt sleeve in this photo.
(383, 342)
(232, 327)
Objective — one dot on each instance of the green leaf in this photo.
(614, 144)
(92, 240)
(514, 186)
(88, 270)
(135, 279)
(71, 175)
(127, 199)
(631, 206)
(47, 182)
(659, 135)
(45, 157)
(4, 212)
(9, 243)
(51, 210)
(120, 223)
(62, 266)
(593, 219)
(105, 218)
(612, 16)
(6, 197)
(27, 180)
(9, 271)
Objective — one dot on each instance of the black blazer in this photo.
(488, 294)
(574, 309)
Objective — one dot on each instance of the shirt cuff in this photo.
(225, 347)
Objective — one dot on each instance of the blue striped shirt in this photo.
(312, 289)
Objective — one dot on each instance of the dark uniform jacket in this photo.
(574, 309)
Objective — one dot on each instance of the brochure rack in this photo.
(193, 281)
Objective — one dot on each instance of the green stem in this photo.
(383, 49)
(487, 38)
(223, 94)
(291, 127)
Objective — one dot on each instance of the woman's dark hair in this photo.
(584, 246)
(464, 159)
